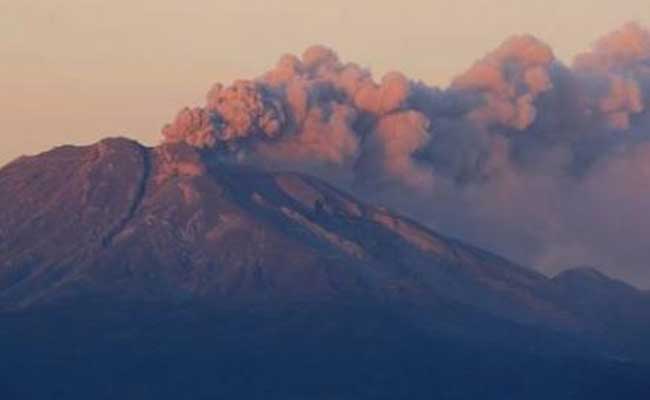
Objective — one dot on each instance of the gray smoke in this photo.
(545, 163)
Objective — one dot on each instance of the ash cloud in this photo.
(540, 161)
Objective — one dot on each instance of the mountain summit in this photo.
(124, 220)
(117, 246)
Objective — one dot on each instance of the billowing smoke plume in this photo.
(543, 162)
(510, 79)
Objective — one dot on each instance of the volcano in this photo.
(135, 272)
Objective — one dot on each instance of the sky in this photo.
(73, 71)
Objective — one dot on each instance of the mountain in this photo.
(136, 272)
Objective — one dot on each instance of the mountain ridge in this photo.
(134, 242)
(172, 181)
(184, 164)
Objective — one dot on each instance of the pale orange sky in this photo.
(73, 71)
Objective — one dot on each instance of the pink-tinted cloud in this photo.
(537, 160)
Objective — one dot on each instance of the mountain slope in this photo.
(119, 217)
(157, 254)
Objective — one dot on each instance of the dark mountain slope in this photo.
(137, 272)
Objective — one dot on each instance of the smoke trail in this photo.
(543, 162)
